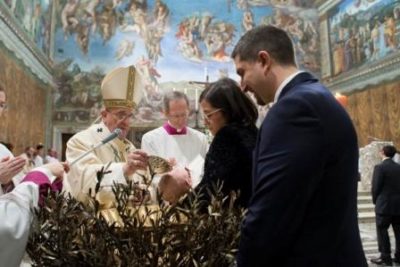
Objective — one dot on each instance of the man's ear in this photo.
(264, 58)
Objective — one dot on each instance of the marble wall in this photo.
(375, 112)
(24, 122)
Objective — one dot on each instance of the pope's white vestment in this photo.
(82, 174)
(184, 148)
(16, 218)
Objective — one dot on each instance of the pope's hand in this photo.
(136, 160)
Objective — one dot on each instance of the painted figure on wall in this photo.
(248, 21)
(76, 98)
(203, 30)
(93, 19)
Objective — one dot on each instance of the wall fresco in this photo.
(176, 45)
(362, 32)
(34, 17)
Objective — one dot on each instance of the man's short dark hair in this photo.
(39, 146)
(173, 95)
(389, 151)
(265, 38)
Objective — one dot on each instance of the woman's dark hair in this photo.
(236, 106)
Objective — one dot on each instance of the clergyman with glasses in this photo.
(121, 92)
(174, 140)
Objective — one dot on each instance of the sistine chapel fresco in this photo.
(34, 17)
(175, 45)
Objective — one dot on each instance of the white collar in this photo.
(283, 84)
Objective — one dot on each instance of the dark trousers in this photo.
(382, 225)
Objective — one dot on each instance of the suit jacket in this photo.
(303, 210)
(386, 188)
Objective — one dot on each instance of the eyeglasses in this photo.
(207, 116)
(121, 115)
(178, 116)
(3, 105)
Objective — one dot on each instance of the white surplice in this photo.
(184, 148)
(16, 218)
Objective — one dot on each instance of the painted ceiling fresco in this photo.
(34, 17)
(176, 45)
(363, 32)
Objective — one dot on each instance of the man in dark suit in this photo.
(386, 197)
(303, 209)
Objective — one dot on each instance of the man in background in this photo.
(386, 197)
(38, 155)
(51, 156)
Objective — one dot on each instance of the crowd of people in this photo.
(296, 174)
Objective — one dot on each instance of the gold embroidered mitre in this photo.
(121, 88)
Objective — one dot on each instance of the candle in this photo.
(196, 99)
(206, 74)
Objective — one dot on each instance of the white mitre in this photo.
(122, 88)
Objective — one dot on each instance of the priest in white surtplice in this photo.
(175, 140)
